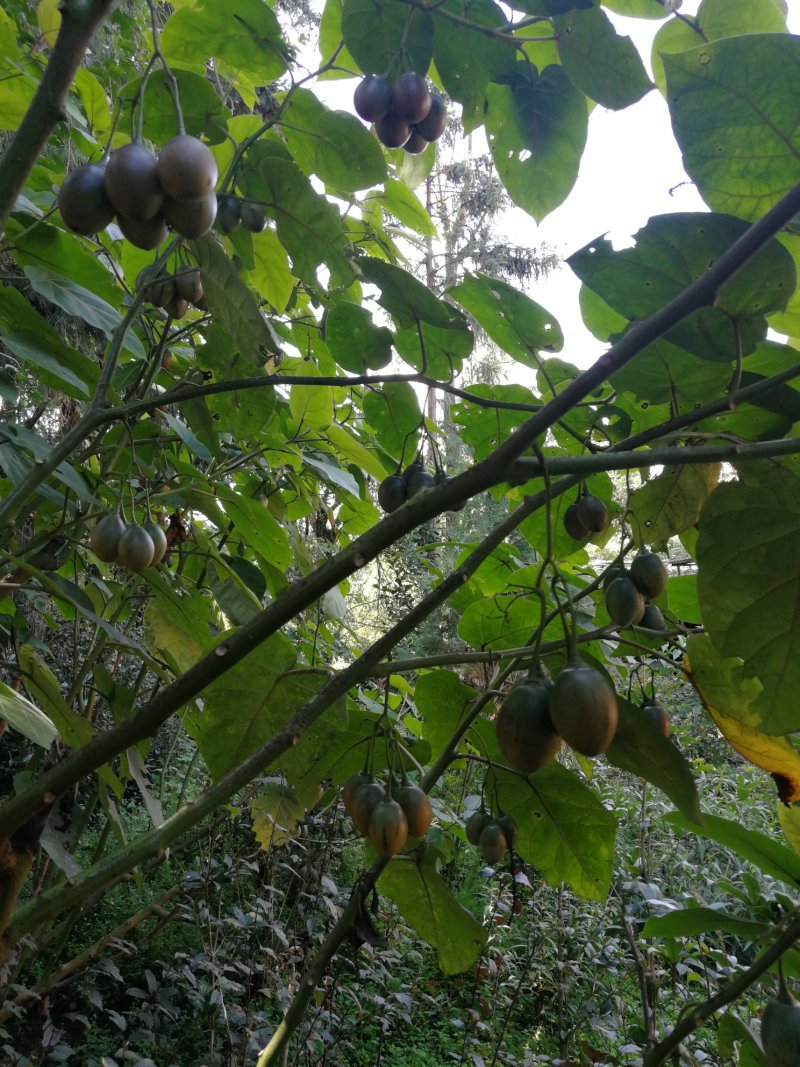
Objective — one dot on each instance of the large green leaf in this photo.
(404, 204)
(671, 502)
(395, 415)
(30, 336)
(177, 627)
(203, 112)
(245, 42)
(468, 61)
(426, 903)
(311, 405)
(720, 90)
(672, 251)
(232, 304)
(442, 700)
(43, 687)
(309, 226)
(355, 342)
(407, 299)
(769, 855)
(482, 428)
(748, 555)
(714, 19)
(600, 62)
(664, 373)
(372, 32)
(516, 323)
(537, 134)
(257, 527)
(253, 700)
(689, 922)
(499, 622)
(23, 716)
(564, 829)
(640, 747)
(270, 274)
(332, 144)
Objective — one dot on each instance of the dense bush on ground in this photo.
(230, 407)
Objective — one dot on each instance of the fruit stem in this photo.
(172, 81)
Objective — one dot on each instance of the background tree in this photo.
(193, 418)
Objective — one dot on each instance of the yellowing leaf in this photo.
(48, 16)
(719, 685)
(789, 818)
(276, 814)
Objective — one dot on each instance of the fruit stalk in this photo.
(694, 1019)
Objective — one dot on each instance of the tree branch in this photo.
(412, 514)
(79, 20)
(695, 1019)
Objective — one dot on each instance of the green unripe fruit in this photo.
(364, 800)
(592, 513)
(132, 184)
(780, 1033)
(392, 492)
(525, 731)
(388, 828)
(159, 539)
(652, 619)
(475, 824)
(186, 169)
(136, 550)
(82, 200)
(624, 603)
(657, 715)
(105, 537)
(351, 786)
(416, 808)
(573, 525)
(584, 709)
(649, 574)
(492, 843)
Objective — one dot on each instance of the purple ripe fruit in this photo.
(373, 98)
(411, 99)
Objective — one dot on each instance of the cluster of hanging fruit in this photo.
(628, 592)
(406, 115)
(146, 193)
(580, 707)
(387, 815)
(586, 516)
(234, 211)
(397, 488)
(492, 835)
(172, 292)
(131, 545)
